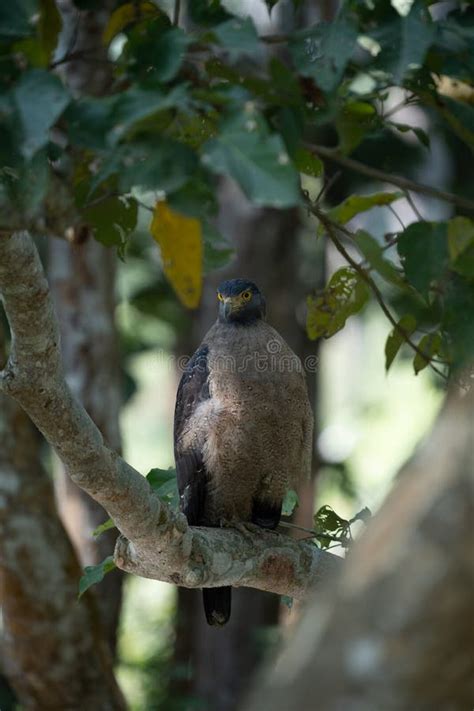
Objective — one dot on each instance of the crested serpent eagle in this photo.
(243, 426)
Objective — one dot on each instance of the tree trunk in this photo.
(82, 278)
(396, 631)
(54, 649)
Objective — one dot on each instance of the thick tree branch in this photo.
(398, 180)
(160, 543)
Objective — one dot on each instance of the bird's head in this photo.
(240, 302)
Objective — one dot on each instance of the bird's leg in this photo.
(246, 528)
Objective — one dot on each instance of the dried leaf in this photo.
(180, 241)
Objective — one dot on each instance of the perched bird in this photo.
(243, 424)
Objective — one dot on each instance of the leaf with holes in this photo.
(344, 296)
(323, 51)
(180, 241)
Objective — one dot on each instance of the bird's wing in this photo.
(193, 389)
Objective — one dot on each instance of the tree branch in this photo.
(160, 543)
(398, 180)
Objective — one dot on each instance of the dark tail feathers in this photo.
(217, 603)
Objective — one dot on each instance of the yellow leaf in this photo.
(180, 241)
(124, 15)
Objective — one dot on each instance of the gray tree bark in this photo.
(82, 278)
(395, 632)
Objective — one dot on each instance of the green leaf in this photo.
(238, 37)
(356, 204)
(457, 320)
(395, 339)
(459, 116)
(353, 122)
(40, 98)
(17, 18)
(373, 253)
(89, 121)
(112, 219)
(170, 52)
(416, 36)
(461, 245)
(290, 503)
(94, 574)
(164, 483)
(423, 249)
(287, 601)
(327, 520)
(27, 185)
(322, 52)
(421, 135)
(404, 43)
(136, 105)
(106, 526)
(308, 163)
(429, 346)
(344, 296)
(207, 12)
(197, 198)
(257, 160)
(158, 164)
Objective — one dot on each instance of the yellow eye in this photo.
(220, 297)
(246, 295)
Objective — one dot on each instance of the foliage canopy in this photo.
(186, 107)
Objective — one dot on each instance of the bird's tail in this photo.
(217, 604)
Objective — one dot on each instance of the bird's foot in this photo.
(246, 528)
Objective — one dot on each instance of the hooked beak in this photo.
(229, 305)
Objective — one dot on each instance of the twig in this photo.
(80, 54)
(398, 180)
(401, 105)
(314, 534)
(327, 186)
(396, 215)
(331, 228)
(413, 206)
